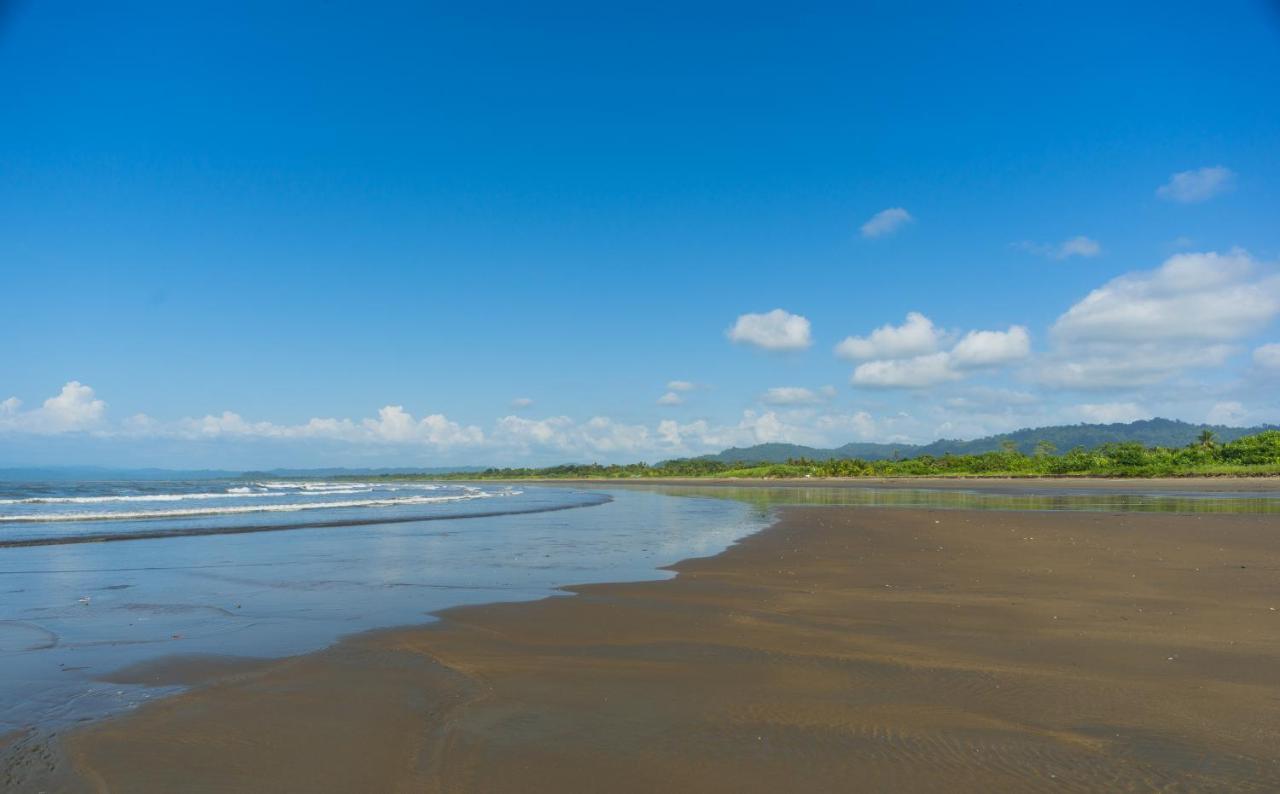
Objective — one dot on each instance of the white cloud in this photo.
(886, 222)
(670, 398)
(1201, 184)
(1125, 365)
(775, 330)
(796, 426)
(397, 425)
(1226, 413)
(987, 400)
(74, 408)
(1075, 246)
(229, 423)
(908, 373)
(790, 395)
(914, 337)
(1109, 413)
(1268, 357)
(1206, 296)
(1146, 326)
(990, 348)
(139, 425)
(598, 435)
(1078, 246)
(393, 425)
(681, 385)
(521, 402)
(395, 431)
(907, 355)
(859, 424)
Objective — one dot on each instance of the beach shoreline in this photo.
(1197, 484)
(897, 647)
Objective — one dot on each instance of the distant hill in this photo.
(103, 473)
(1149, 432)
(338, 471)
(106, 473)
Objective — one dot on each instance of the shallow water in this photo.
(45, 513)
(71, 613)
(1004, 497)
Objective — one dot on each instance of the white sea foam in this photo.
(272, 489)
(191, 512)
(156, 497)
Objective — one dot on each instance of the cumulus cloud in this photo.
(520, 403)
(1200, 184)
(792, 395)
(1109, 413)
(775, 330)
(907, 355)
(396, 425)
(1267, 357)
(796, 426)
(393, 425)
(991, 348)
(1228, 412)
(74, 408)
(916, 336)
(1075, 246)
(670, 398)
(1204, 296)
(681, 385)
(906, 373)
(598, 435)
(1123, 366)
(886, 222)
(1146, 326)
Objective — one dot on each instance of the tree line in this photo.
(1257, 454)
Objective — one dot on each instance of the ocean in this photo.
(99, 576)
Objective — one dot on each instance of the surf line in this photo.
(156, 534)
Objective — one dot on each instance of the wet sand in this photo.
(842, 649)
(1221, 484)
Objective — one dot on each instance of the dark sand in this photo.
(1225, 484)
(843, 649)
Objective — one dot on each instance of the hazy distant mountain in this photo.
(343, 472)
(88, 473)
(1149, 432)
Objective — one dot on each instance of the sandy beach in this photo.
(880, 649)
(1224, 484)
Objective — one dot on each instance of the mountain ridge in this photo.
(1149, 432)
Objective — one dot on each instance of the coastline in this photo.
(895, 647)
(1197, 484)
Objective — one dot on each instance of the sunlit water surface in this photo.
(71, 612)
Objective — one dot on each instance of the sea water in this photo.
(95, 577)
(274, 568)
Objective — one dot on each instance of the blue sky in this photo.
(293, 234)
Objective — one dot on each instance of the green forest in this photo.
(1257, 454)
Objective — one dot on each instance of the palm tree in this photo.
(1207, 439)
